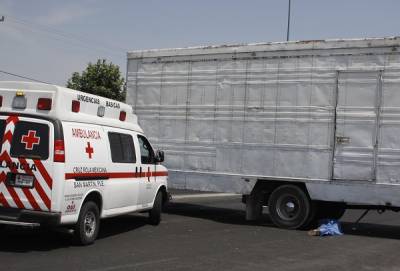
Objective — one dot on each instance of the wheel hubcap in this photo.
(288, 207)
(90, 224)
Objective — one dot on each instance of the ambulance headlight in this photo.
(19, 102)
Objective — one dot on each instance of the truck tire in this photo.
(332, 210)
(88, 225)
(155, 212)
(290, 207)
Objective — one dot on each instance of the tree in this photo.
(101, 79)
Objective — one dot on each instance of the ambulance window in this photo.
(30, 140)
(122, 148)
(146, 152)
(2, 129)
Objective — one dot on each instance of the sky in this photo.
(48, 40)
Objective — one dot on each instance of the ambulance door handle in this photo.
(136, 170)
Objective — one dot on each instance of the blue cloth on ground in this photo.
(329, 227)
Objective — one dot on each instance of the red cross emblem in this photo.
(89, 150)
(30, 140)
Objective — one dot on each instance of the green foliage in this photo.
(101, 79)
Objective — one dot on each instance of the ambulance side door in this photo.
(85, 162)
(147, 167)
(122, 186)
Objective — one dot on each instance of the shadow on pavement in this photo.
(122, 224)
(237, 217)
(20, 240)
(371, 230)
(218, 214)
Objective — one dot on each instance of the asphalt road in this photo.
(207, 233)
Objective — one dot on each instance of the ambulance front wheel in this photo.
(87, 228)
(155, 213)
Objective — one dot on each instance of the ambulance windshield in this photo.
(30, 140)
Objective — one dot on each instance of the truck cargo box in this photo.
(318, 112)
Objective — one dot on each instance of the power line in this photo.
(24, 77)
(64, 41)
(82, 42)
(58, 32)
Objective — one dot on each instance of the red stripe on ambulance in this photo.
(12, 118)
(43, 195)
(3, 200)
(160, 173)
(7, 137)
(44, 173)
(114, 175)
(15, 197)
(28, 194)
(37, 186)
(31, 199)
(3, 177)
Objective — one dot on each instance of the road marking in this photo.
(206, 195)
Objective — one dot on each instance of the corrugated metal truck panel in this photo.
(312, 111)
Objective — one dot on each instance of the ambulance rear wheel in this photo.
(87, 228)
(290, 207)
(155, 213)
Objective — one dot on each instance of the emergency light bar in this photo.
(44, 104)
(19, 101)
(122, 116)
(65, 104)
(101, 111)
(76, 106)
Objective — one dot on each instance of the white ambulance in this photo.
(70, 158)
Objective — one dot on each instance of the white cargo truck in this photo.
(308, 128)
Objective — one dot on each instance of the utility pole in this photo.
(288, 22)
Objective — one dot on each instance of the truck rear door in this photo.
(357, 126)
(26, 163)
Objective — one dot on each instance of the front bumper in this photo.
(20, 217)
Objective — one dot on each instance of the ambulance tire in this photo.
(155, 213)
(87, 227)
(290, 207)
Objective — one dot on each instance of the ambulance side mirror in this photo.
(159, 156)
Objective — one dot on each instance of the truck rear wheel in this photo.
(87, 227)
(290, 207)
(155, 213)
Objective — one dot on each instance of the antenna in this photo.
(288, 22)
